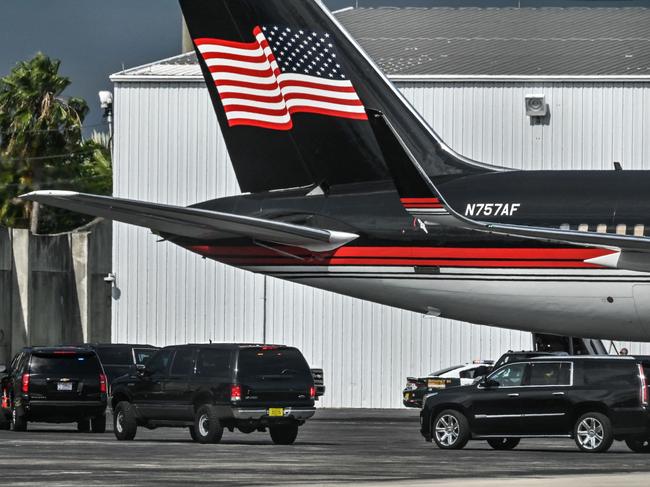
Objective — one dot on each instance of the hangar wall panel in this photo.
(168, 149)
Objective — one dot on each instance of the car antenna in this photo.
(617, 166)
(210, 340)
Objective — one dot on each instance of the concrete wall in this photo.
(52, 289)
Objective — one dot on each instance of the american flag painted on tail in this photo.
(284, 71)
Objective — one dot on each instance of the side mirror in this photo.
(486, 383)
(140, 369)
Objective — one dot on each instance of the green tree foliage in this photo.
(42, 147)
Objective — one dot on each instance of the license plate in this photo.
(64, 386)
(275, 412)
(437, 383)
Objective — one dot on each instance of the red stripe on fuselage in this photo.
(408, 256)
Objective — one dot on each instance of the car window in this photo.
(550, 374)
(446, 370)
(213, 362)
(610, 373)
(115, 355)
(67, 365)
(143, 354)
(510, 375)
(479, 371)
(159, 363)
(183, 363)
(259, 362)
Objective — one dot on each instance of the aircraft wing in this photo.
(193, 222)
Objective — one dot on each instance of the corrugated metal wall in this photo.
(168, 149)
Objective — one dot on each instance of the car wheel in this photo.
(5, 424)
(207, 425)
(83, 426)
(638, 445)
(284, 434)
(18, 422)
(98, 424)
(451, 430)
(193, 433)
(125, 425)
(503, 443)
(593, 433)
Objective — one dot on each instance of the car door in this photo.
(147, 391)
(496, 403)
(177, 394)
(545, 400)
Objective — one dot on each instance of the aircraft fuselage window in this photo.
(601, 228)
(583, 227)
(621, 229)
(639, 230)
(565, 226)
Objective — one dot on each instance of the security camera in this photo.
(105, 99)
(110, 278)
(536, 106)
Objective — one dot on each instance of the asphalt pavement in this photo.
(338, 447)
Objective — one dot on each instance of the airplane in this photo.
(346, 188)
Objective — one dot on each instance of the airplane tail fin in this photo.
(291, 87)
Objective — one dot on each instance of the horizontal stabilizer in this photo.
(193, 222)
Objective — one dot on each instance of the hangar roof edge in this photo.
(440, 44)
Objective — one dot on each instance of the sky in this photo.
(95, 38)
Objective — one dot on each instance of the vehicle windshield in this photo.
(143, 354)
(255, 362)
(444, 371)
(68, 365)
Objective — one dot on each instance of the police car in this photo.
(458, 375)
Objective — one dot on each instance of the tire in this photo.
(193, 433)
(503, 443)
(124, 424)
(593, 433)
(638, 445)
(5, 424)
(207, 426)
(18, 422)
(285, 434)
(450, 430)
(98, 424)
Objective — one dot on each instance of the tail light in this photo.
(312, 392)
(25, 383)
(235, 392)
(644, 386)
(5, 399)
(102, 383)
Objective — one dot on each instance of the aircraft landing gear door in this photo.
(642, 305)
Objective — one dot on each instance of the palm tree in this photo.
(41, 142)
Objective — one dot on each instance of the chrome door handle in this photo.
(558, 393)
(513, 394)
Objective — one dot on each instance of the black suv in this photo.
(594, 400)
(211, 387)
(55, 385)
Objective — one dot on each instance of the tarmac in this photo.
(337, 447)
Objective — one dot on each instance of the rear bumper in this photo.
(61, 411)
(297, 413)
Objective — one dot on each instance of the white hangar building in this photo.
(468, 72)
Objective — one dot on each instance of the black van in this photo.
(592, 399)
(55, 385)
(211, 387)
